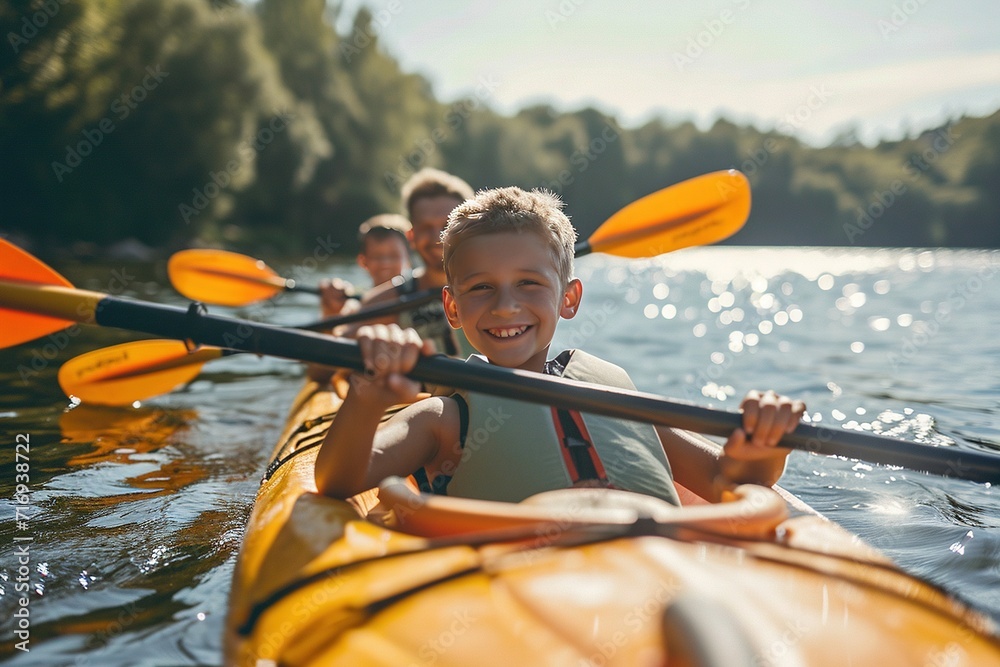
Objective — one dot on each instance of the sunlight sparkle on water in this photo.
(890, 507)
(85, 579)
(959, 547)
(879, 323)
(765, 264)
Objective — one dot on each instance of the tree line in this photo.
(263, 125)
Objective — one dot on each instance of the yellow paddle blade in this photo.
(222, 277)
(123, 374)
(698, 211)
(17, 326)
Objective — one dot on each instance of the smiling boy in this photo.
(384, 253)
(508, 258)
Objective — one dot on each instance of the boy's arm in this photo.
(356, 453)
(708, 469)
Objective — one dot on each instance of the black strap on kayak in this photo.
(296, 442)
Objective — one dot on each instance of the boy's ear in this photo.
(571, 299)
(450, 307)
(361, 261)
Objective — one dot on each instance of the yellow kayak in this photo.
(572, 577)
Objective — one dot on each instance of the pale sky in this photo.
(807, 67)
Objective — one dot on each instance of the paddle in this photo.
(35, 289)
(227, 278)
(129, 372)
(699, 211)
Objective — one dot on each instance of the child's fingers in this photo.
(388, 349)
(410, 347)
(751, 409)
(736, 445)
(766, 405)
(767, 416)
(782, 417)
(798, 409)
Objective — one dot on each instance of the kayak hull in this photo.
(592, 578)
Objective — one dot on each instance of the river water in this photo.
(135, 514)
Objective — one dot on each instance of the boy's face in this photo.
(384, 259)
(429, 215)
(505, 293)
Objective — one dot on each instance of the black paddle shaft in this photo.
(198, 327)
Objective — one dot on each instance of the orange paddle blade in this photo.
(123, 374)
(222, 277)
(699, 211)
(18, 266)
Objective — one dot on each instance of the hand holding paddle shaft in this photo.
(42, 293)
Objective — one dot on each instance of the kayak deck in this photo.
(392, 577)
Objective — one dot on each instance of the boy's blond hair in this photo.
(513, 210)
(429, 183)
(383, 226)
